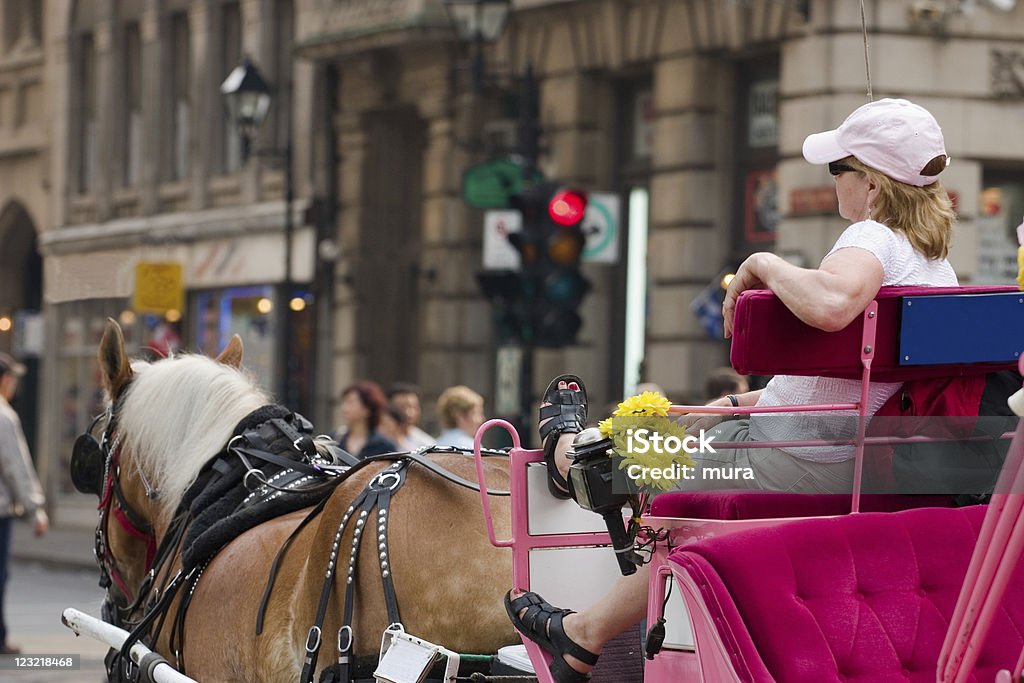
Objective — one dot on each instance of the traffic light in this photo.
(560, 284)
(537, 304)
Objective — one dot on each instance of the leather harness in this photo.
(298, 472)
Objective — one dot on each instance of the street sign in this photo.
(158, 287)
(492, 184)
(601, 227)
(498, 252)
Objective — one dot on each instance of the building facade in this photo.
(116, 155)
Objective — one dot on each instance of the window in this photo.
(1002, 205)
(22, 22)
(132, 103)
(283, 44)
(86, 118)
(179, 157)
(231, 56)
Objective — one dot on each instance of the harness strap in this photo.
(362, 504)
(261, 613)
(383, 508)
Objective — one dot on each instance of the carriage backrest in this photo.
(964, 331)
(865, 597)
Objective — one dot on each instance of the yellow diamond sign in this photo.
(158, 287)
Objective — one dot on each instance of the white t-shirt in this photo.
(901, 265)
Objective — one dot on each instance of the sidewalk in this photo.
(68, 544)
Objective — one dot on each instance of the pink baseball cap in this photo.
(896, 137)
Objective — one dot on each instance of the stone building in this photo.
(115, 151)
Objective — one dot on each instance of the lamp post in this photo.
(248, 97)
(477, 22)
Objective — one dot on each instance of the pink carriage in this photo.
(777, 587)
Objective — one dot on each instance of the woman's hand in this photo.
(694, 422)
(748, 276)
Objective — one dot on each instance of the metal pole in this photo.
(287, 392)
(529, 148)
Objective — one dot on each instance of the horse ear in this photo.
(232, 353)
(114, 364)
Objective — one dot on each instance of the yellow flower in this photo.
(647, 403)
(647, 411)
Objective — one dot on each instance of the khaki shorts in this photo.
(767, 469)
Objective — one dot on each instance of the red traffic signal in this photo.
(567, 207)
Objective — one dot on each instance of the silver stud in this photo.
(383, 556)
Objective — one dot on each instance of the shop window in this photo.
(757, 156)
(249, 312)
(79, 384)
(1001, 211)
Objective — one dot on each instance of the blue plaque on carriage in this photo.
(950, 329)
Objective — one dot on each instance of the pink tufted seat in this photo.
(857, 599)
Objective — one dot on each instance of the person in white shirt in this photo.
(885, 159)
(20, 492)
(462, 412)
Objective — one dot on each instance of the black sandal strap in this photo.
(542, 623)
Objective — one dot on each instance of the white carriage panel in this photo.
(549, 515)
(678, 629)
(573, 577)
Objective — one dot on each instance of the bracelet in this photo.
(733, 400)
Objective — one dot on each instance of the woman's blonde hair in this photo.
(457, 400)
(924, 214)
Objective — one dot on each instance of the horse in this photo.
(168, 418)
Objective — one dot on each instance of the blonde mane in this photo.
(177, 414)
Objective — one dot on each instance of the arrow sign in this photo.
(601, 228)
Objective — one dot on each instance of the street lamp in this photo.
(477, 22)
(248, 97)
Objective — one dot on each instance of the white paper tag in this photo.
(404, 662)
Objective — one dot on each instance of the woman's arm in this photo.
(827, 298)
(694, 422)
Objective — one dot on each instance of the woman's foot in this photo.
(563, 412)
(559, 632)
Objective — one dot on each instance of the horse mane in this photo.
(177, 414)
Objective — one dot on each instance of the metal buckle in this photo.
(313, 640)
(347, 632)
(379, 482)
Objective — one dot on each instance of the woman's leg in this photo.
(624, 605)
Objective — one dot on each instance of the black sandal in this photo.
(542, 623)
(567, 410)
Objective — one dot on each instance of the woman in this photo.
(885, 159)
(462, 412)
(362, 406)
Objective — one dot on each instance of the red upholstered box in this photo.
(769, 340)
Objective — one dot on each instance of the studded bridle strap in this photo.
(376, 494)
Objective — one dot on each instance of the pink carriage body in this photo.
(748, 619)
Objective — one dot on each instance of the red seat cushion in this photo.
(769, 505)
(860, 598)
(769, 340)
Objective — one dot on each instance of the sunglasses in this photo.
(835, 168)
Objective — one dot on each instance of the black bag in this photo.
(966, 469)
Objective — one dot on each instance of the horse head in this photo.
(162, 424)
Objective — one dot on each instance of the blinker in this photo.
(87, 464)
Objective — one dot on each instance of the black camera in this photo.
(592, 477)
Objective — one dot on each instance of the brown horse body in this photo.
(448, 578)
